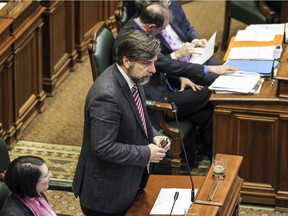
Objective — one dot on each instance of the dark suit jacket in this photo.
(180, 25)
(156, 88)
(114, 153)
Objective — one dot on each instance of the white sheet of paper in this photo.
(275, 28)
(165, 199)
(238, 82)
(207, 51)
(2, 4)
(260, 53)
(264, 36)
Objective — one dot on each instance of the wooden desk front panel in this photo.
(6, 84)
(27, 66)
(59, 56)
(258, 132)
(87, 15)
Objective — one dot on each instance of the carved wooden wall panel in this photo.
(59, 56)
(6, 83)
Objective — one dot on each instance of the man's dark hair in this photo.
(137, 46)
(155, 13)
(23, 174)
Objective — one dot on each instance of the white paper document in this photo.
(239, 82)
(275, 28)
(253, 53)
(243, 35)
(165, 199)
(206, 52)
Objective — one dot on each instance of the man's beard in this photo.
(142, 81)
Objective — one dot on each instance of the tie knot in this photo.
(134, 88)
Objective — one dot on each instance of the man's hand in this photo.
(187, 49)
(222, 69)
(157, 153)
(163, 142)
(200, 42)
(187, 83)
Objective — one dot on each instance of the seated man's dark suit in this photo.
(181, 25)
(192, 105)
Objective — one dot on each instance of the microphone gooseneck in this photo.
(174, 110)
(175, 198)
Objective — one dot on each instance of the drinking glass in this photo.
(219, 165)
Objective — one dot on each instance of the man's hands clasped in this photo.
(159, 147)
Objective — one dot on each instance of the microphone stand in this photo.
(174, 110)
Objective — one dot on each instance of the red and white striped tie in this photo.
(138, 102)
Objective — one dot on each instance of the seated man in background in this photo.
(181, 40)
(192, 105)
(27, 177)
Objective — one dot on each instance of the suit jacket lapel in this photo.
(128, 94)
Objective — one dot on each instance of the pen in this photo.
(272, 73)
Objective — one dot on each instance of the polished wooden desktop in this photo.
(256, 127)
(146, 198)
(225, 202)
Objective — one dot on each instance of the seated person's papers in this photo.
(165, 199)
(207, 52)
(239, 82)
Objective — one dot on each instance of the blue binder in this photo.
(263, 67)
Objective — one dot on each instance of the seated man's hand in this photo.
(200, 42)
(222, 69)
(187, 83)
(187, 49)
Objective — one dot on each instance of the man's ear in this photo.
(151, 27)
(126, 62)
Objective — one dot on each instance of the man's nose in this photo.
(152, 68)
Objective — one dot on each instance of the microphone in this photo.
(175, 198)
(174, 110)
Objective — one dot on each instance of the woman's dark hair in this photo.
(23, 174)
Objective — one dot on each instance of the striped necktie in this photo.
(138, 102)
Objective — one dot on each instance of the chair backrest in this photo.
(4, 158)
(100, 49)
(4, 192)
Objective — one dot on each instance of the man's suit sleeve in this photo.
(174, 67)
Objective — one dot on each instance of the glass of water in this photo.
(219, 165)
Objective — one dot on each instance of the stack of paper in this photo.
(239, 82)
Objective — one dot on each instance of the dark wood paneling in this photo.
(6, 82)
(25, 84)
(59, 57)
(87, 14)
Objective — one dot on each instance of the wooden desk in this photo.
(146, 198)
(256, 127)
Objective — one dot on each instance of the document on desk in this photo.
(239, 82)
(244, 35)
(206, 52)
(254, 53)
(165, 200)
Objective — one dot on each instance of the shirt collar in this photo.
(126, 77)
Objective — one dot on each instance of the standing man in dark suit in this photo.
(119, 142)
(192, 105)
